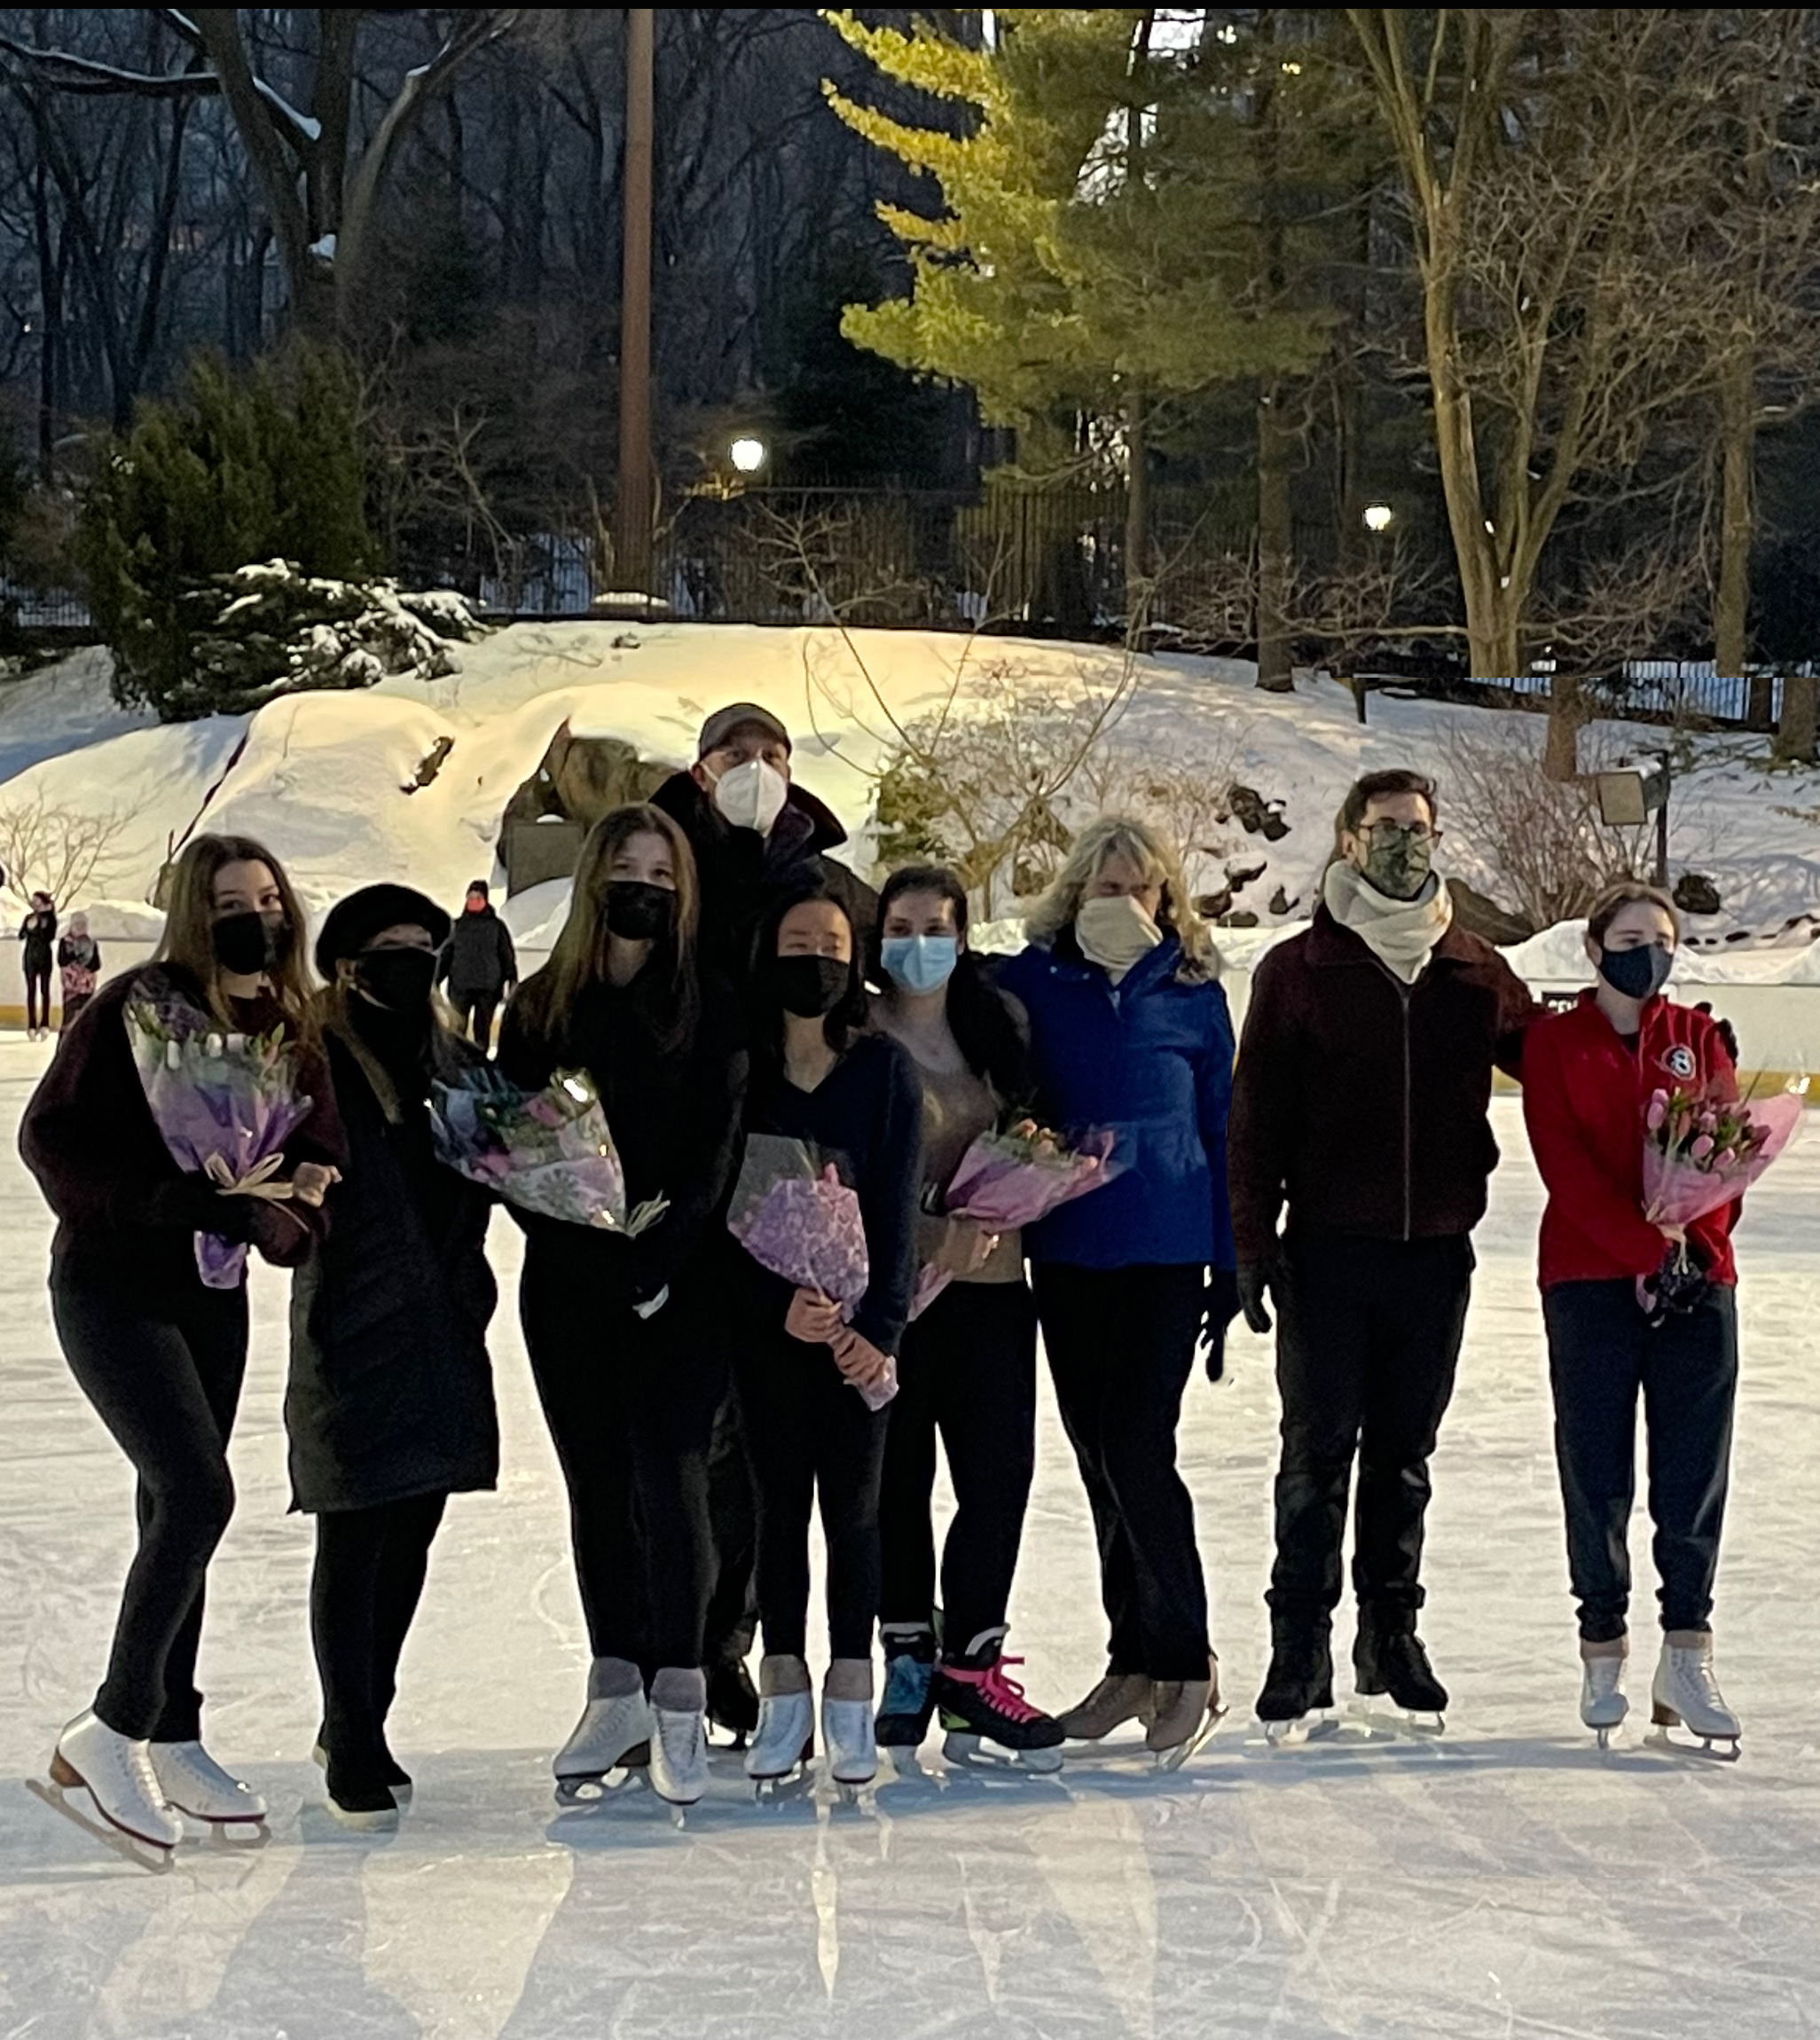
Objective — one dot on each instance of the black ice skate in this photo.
(1388, 1658)
(908, 1702)
(1297, 1701)
(732, 1700)
(979, 1704)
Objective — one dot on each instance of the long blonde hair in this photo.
(188, 940)
(665, 991)
(1122, 835)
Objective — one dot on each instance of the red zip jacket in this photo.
(1584, 1096)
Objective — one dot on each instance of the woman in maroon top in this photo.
(1588, 1074)
(160, 1354)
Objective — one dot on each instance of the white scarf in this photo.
(1400, 933)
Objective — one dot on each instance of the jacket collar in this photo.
(685, 803)
(1329, 943)
(1066, 961)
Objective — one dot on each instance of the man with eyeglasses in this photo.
(1360, 1102)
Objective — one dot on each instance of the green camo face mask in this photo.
(1397, 861)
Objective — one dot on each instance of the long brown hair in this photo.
(187, 941)
(666, 994)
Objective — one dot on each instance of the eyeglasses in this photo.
(1386, 831)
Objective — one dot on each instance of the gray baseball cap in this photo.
(724, 723)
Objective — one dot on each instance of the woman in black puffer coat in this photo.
(390, 1404)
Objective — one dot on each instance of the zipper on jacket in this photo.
(1406, 992)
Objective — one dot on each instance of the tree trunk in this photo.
(1275, 542)
(1796, 736)
(1137, 511)
(1737, 518)
(1567, 715)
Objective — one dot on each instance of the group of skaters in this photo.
(720, 976)
(75, 954)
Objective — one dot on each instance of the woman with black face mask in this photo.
(391, 1403)
(1633, 1308)
(156, 1345)
(624, 1334)
(854, 1100)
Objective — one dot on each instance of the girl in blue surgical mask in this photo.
(966, 1367)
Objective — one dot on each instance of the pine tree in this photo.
(1097, 251)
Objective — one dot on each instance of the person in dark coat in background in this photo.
(759, 837)
(37, 935)
(478, 964)
(622, 1332)
(78, 966)
(1360, 1100)
(391, 1403)
(1131, 1034)
(158, 1350)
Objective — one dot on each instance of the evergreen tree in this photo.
(1097, 249)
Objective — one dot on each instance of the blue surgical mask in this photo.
(921, 963)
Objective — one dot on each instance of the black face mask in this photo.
(1637, 973)
(639, 913)
(810, 987)
(398, 979)
(248, 944)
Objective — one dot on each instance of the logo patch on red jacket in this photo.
(1679, 1061)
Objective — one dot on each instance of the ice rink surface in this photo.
(1506, 1880)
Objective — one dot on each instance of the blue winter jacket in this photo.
(1152, 1059)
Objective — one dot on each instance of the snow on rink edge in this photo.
(1506, 1880)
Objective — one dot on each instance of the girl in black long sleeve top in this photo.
(855, 1101)
(621, 1333)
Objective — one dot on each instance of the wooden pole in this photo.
(632, 531)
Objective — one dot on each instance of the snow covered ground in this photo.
(1505, 1880)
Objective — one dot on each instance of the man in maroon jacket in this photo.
(1363, 1080)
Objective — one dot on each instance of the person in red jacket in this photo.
(1588, 1074)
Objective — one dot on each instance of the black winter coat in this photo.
(743, 875)
(392, 1391)
(478, 958)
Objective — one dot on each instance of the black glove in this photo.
(1221, 1307)
(1252, 1282)
(1728, 1033)
(190, 1204)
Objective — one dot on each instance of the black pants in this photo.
(1121, 1346)
(166, 1383)
(631, 1404)
(477, 1010)
(812, 1439)
(73, 1005)
(37, 996)
(1601, 1353)
(732, 1517)
(968, 1367)
(1368, 1339)
(369, 1573)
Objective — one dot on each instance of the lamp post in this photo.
(632, 528)
(1378, 517)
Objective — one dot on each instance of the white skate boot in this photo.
(849, 1732)
(1686, 1694)
(679, 1756)
(1602, 1706)
(784, 1740)
(613, 1733)
(104, 1782)
(194, 1783)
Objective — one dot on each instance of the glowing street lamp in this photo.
(1378, 516)
(747, 455)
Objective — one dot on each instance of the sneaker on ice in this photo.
(1602, 1701)
(116, 1774)
(848, 1734)
(785, 1736)
(1120, 1697)
(1686, 1693)
(194, 1783)
(679, 1756)
(908, 1702)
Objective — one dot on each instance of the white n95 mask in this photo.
(752, 796)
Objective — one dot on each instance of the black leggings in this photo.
(369, 1573)
(1121, 1346)
(630, 1403)
(477, 1010)
(967, 1369)
(167, 1384)
(37, 996)
(810, 1436)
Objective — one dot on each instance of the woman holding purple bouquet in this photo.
(967, 1364)
(811, 1373)
(621, 1329)
(207, 1048)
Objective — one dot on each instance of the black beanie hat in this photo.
(480, 886)
(351, 923)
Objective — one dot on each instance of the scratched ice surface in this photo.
(1505, 1880)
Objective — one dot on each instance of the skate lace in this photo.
(1006, 1694)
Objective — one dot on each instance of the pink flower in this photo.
(1724, 1158)
(1702, 1147)
(1658, 1111)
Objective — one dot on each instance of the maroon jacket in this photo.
(1361, 1100)
(89, 1137)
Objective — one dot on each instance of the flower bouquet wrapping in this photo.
(793, 1215)
(224, 1104)
(1009, 1179)
(547, 1152)
(1702, 1150)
